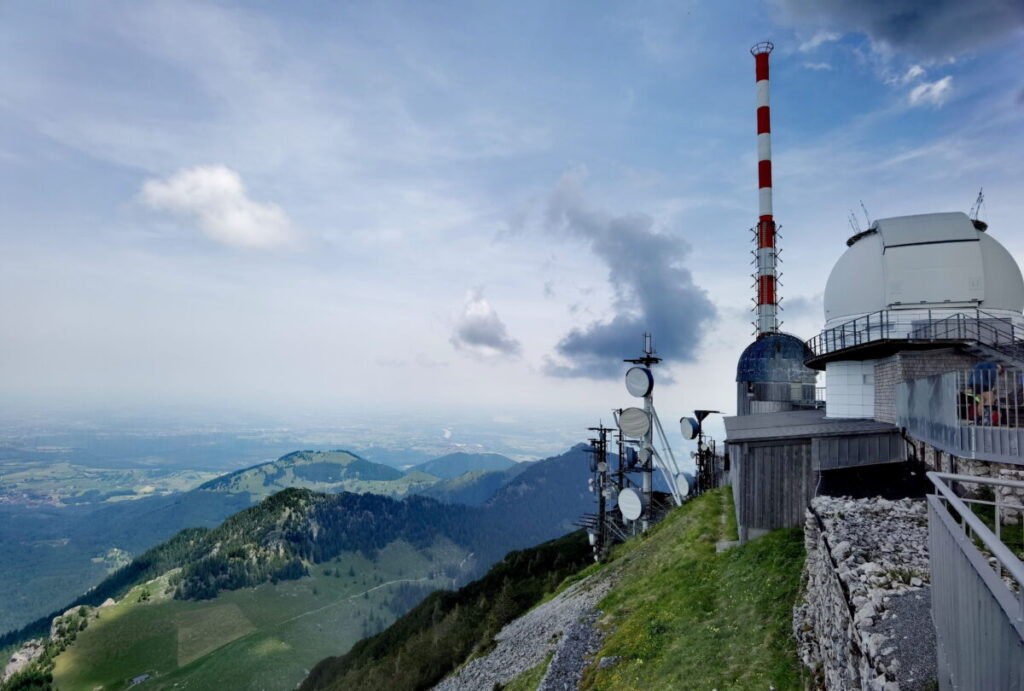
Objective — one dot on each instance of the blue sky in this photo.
(459, 205)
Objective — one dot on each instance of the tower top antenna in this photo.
(648, 358)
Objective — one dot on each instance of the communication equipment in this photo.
(634, 422)
(639, 382)
(690, 427)
(631, 506)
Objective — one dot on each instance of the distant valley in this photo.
(60, 547)
(303, 574)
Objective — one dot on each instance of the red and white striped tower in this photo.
(767, 256)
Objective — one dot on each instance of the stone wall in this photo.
(912, 364)
(866, 559)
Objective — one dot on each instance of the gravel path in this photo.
(579, 644)
(566, 621)
(910, 639)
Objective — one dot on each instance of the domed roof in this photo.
(775, 357)
(930, 261)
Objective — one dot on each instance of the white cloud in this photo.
(913, 73)
(817, 40)
(480, 331)
(216, 199)
(932, 93)
(817, 66)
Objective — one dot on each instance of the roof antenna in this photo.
(865, 210)
(854, 223)
(976, 209)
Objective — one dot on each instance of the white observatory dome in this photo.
(929, 261)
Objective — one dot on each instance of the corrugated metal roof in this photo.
(797, 423)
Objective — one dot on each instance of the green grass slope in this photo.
(440, 633)
(681, 615)
(685, 617)
(253, 638)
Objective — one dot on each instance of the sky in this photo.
(461, 206)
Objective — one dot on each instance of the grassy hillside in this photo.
(681, 615)
(263, 637)
(442, 631)
(320, 471)
(455, 464)
(684, 616)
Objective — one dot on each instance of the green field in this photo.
(257, 638)
(39, 482)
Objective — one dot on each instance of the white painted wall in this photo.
(850, 389)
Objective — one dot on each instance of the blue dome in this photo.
(776, 357)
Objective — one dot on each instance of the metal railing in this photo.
(1004, 559)
(977, 587)
(919, 325)
(976, 413)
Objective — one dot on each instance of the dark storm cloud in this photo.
(653, 291)
(933, 29)
(480, 331)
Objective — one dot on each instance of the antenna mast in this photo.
(764, 233)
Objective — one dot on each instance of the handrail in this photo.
(977, 325)
(1000, 551)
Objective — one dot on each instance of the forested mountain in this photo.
(455, 464)
(475, 487)
(321, 471)
(281, 536)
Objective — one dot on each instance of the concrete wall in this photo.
(911, 365)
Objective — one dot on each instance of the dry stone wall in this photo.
(863, 557)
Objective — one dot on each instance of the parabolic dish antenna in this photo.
(690, 427)
(630, 504)
(639, 381)
(634, 422)
(682, 484)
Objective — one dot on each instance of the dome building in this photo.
(912, 283)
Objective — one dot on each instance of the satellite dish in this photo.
(639, 381)
(634, 422)
(682, 484)
(630, 504)
(645, 454)
(690, 427)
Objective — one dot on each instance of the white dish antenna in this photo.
(639, 381)
(690, 427)
(634, 422)
(630, 504)
(682, 484)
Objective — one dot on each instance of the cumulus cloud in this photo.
(931, 93)
(931, 29)
(817, 40)
(653, 291)
(215, 198)
(480, 331)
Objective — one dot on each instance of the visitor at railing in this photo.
(991, 395)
